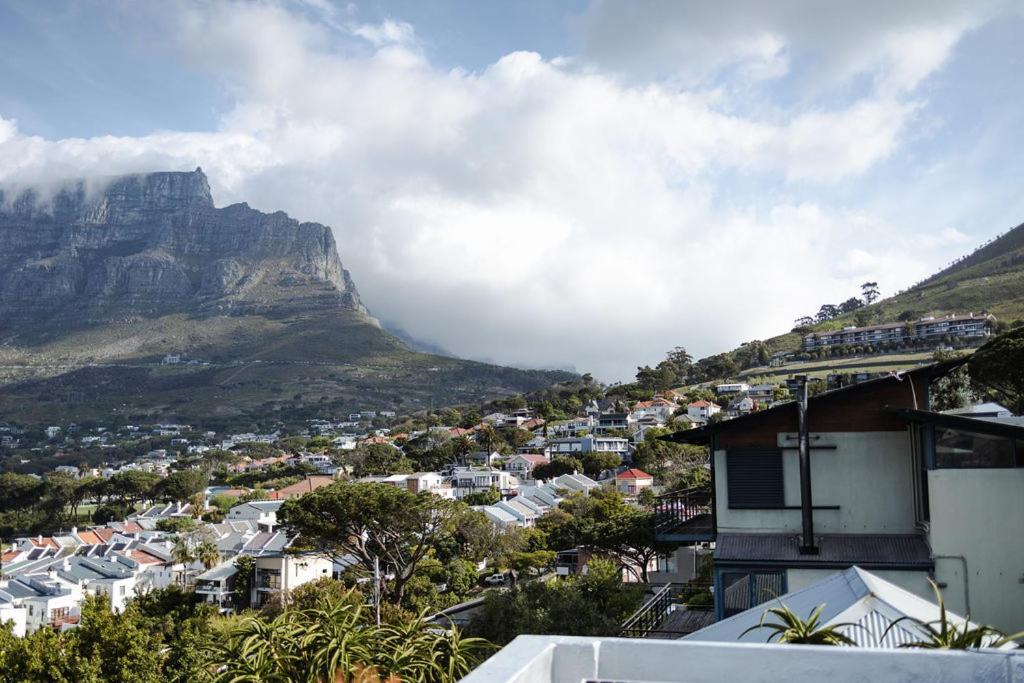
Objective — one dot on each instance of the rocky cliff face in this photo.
(148, 245)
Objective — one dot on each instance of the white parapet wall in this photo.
(568, 659)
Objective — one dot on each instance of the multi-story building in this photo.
(893, 487)
(958, 327)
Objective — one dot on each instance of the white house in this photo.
(263, 512)
(701, 411)
(522, 464)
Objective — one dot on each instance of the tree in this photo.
(826, 312)
(336, 641)
(850, 305)
(557, 467)
(176, 524)
(592, 604)
(182, 485)
(372, 521)
(378, 459)
(131, 487)
(488, 497)
(242, 591)
(952, 391)
(598, 461)
(998, 369)
(18, 495)
(869, 290)
(207, 553)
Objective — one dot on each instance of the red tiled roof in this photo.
(144, 557)
(299, 488)
(633, 474)
(44, 542)
(90, 537)
(699, 404)
(105, 534)
(9, 556)
(131, 527)
(535, 458)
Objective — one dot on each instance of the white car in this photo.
(495, 580)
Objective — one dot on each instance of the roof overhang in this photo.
(960, 422)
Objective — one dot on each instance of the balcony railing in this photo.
(686, 512)
(656, 618)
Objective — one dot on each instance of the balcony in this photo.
(684, 516)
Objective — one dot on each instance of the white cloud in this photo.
(535, 212)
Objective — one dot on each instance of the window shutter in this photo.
(754, 478)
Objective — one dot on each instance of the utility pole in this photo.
(376, 586)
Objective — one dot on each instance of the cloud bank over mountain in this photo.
(689, 177)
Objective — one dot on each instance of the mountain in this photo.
(136, 297)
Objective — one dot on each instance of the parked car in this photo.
(495, 580)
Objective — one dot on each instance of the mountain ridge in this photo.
(140, 298)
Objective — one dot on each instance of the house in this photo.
(607, 422)
(631, 482)
(732, 388)
(522, 464)
(262, 512)
(467, 480)
(741, 405)
(575, 482)
(484, 458)
(659, 408)
(886, 484)
(762, 394)
(588, 444)
(432, 482)
(701, 411)
(307, 485)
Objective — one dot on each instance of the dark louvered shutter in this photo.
(755, 478)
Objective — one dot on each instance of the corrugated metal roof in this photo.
(854, 596)
(870, 550)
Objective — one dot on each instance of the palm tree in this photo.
(792, 629)
(945, 633)
(182, 554)
(208, 553)
(337, 641)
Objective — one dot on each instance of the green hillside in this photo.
(988, 280)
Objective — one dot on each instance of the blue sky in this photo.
(586, 183)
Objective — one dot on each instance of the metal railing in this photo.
(678, 507)
(650, 615)
(649, 620)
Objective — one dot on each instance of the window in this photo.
(754, 478)
(59, 613)
(742, 590)
(955, 448)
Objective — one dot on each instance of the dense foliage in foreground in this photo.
(167, 636)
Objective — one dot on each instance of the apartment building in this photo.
(960, 327)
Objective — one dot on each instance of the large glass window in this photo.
(955, 448)
(742, 590)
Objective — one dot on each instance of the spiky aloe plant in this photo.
(790, 628)
(945, 633)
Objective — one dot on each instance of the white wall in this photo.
(868, 476)
(17, 615)
(979, 514)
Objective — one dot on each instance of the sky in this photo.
(581, 184)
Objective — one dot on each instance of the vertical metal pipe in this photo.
(807, 546)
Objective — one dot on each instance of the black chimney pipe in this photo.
(807, 546)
